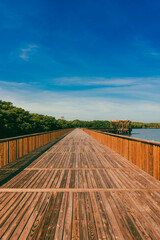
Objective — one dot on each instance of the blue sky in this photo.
(92, 59)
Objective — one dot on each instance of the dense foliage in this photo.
(145, 125)
(16, 121)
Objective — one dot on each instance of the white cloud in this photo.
(100, 81)
(14, 84)
(81, 106)
(27, 52)
(119, 88)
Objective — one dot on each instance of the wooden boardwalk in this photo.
(80, 189)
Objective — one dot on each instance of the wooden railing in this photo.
(16, 147)
(144, 154)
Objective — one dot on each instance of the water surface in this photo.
(152, 134)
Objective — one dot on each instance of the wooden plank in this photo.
(150, 159)
(19, 148)
(156, 162)
(61, 218)
(67, 230)
(12, 150)
(37, 226)
(25, 146)
(4, 154)
(30, 144)
(75, 218)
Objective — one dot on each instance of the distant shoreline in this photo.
(145, 128)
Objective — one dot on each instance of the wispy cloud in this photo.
(89, 81)
(109, 83)
(85, 105)
(13, 84)
(28, 51)
(146, 47)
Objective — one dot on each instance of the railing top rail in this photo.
(128, 138)
(29, 135)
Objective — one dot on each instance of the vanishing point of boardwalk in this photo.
(80, 189)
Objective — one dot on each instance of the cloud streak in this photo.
(100, 81)
(89, 81)
(27, 52)
(13, 84)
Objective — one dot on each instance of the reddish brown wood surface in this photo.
(80, 189)
(145, 154)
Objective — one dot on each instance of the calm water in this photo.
(148, 134)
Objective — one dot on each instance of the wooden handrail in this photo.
(129, 138)
(16, 147)
(143, 153)
(28, 135)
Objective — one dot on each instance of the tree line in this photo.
(16, 121)
(145, 125)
